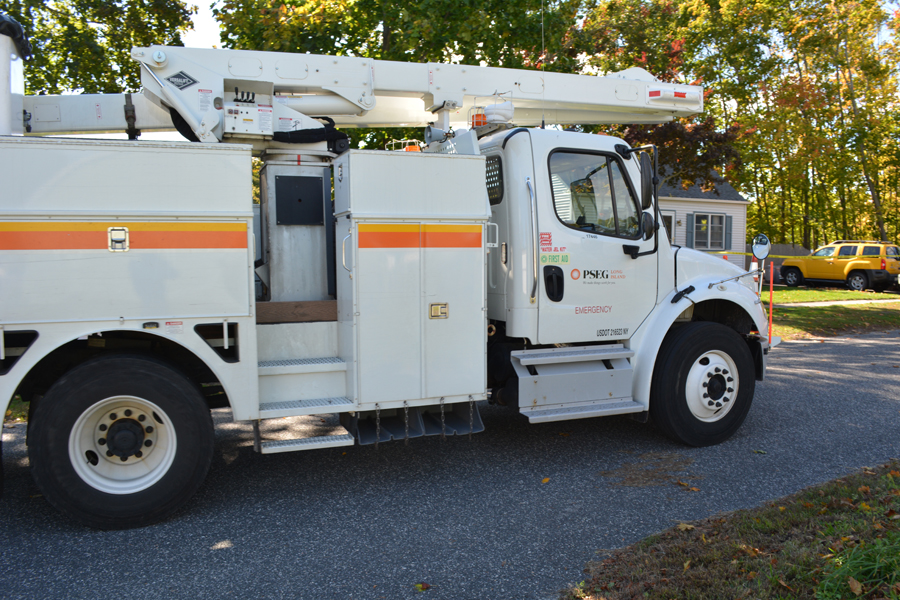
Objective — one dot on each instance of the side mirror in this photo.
(761, 246)
(648, 225)
(646, 181)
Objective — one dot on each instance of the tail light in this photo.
(883, 265)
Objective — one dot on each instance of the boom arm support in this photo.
(362, 92)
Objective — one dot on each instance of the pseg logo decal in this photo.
(597, 276)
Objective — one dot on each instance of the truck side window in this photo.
(847, 251)
(590, 193)
(826, 251)
(871, 251)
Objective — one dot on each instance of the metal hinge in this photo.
(118, 239)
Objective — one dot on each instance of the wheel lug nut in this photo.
(710, 403)
(726, 399)
(724, 371)
(718, 370)
(730, 389)
(142, 418)
(729, 380)
(102, 441)
(706, 395)
(148, 443)
(113, 417)
(705, 384)
(149, 429)
(109, 453)
(123, 458)
(102, 427)
(718, 405)
(709, 374)
(138, 454)
(127, 413)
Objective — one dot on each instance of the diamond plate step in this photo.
(296, 408)
(566, 413)
(301, 365)
(568, 355)
(310, 443)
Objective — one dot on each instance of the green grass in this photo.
(805, 546)
(822, 321)
(16, 412)
(784, 295)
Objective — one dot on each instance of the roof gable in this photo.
(672, 189)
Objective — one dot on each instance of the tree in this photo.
(85, 45)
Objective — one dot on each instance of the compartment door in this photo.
(389, 306)
(454, 305)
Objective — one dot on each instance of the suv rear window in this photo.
(871, 251)
(847, 251)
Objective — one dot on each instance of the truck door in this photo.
(589, 215)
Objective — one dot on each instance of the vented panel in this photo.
(494, 179)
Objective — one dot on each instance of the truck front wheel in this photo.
(703, 384)
(121, 442)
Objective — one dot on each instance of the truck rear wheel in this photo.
(121, 442)
(703, 384)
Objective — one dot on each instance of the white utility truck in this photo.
(396, 289)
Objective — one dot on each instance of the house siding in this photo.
(682, 207)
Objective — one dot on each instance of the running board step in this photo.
(569, 355)
(298, 366)
(297, 408)
(310, 443)
(567, 413)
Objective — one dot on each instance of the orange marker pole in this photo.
(771, 295)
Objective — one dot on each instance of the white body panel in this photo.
(410, 235)
(189, 262)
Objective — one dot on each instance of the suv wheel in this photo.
(857, 281)
(792, 277)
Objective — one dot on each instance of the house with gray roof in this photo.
(705, 221)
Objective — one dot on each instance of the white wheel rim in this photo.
(134, 422)
(708, 382)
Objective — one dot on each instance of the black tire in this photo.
(132, 400)
(678, 379)
(857, 281)
(792, 276)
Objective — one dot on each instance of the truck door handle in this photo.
(534, 239)
(554, 283)
(344, 253)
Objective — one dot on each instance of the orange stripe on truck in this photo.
(58, 235)
(405, 235)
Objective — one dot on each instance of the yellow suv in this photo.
(858, 263)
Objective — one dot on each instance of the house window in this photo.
(709, 231)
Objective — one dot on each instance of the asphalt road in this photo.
(470, 518)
